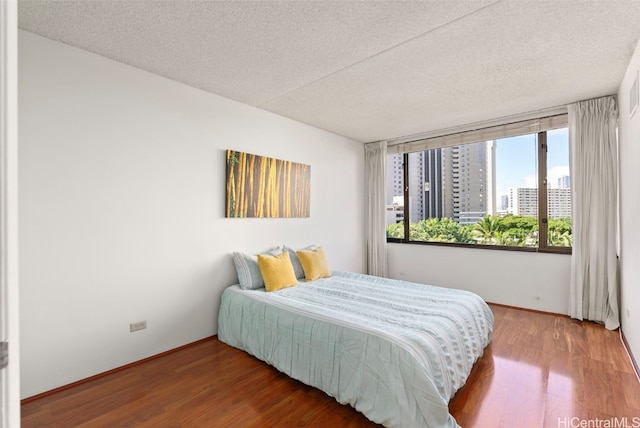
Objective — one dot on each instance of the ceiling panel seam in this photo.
(418, 36)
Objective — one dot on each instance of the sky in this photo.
(516, 161)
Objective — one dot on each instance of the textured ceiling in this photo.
(368, 70)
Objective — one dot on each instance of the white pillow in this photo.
(247, 268)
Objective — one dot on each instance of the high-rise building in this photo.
(559, 202)
(456, 182)
(416, 186)
(395, 183)
(394, 178)
(504, 199)
(490, 168)
(564, 182)
(432, 167)
(467, 176)
(524, 201)
(459, 182)
(395, 210)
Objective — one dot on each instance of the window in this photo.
(558, 189)
(508, 192)
(395, 197)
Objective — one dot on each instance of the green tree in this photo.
(510, 230)
(560, 225)
(519, 223)
(560, 232)
(486, 231)
(439, 230)
(395, 230)
(521, 230)
(511, 238)
(432, 230)
(560, 239)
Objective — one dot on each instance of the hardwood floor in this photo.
(541, 370)
(538, 371)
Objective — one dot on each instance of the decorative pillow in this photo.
(248, 271)
(295, 261)
(314, 263)
(277, 271)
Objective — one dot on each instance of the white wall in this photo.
(9, 303)
(629, 143)
(122, 208)
(527, 280)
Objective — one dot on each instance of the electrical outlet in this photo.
(628, 313)
(135, 326)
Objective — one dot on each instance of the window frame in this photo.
(543, 214)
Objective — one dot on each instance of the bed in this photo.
(394, 350)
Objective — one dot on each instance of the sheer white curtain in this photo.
(594, 189)
(375, 169)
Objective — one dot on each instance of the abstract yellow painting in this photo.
(259, 186)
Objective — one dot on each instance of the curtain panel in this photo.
(593, 292)
(375, 164)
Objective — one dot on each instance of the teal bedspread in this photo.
(396, 351)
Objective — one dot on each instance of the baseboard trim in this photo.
(634, 363)
(537, 311)
(107, 373)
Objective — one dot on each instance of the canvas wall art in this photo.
(259, 186)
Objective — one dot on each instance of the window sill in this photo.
(548, 250)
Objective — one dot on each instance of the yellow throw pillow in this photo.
(277, 271)
(314, 264)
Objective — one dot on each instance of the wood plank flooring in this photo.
(538, 371)
(541, 370)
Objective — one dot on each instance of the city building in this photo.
(564, 182)
(559, 202)
(456, 182)
(504, 202)
(395, 210)
(432, 168)
(468, 174)
(394, 178)
(395, 183)
(524, 201)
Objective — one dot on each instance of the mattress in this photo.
(394, 350)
